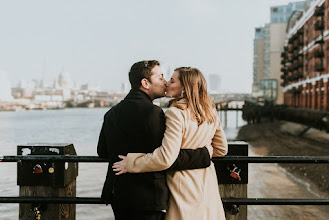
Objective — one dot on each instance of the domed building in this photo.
(64, 85)
(5, 90)
(64, 80)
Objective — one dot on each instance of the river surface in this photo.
(81, 127)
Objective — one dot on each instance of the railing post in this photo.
(233, 180)
(47, 179)
(237, 117)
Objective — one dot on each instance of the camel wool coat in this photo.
(194, 193)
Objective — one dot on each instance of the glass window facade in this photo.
(259, 33)
(275, 20)
(269, 88)
(281, 14)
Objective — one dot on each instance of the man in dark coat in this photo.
(136, 125)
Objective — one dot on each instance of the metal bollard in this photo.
(233, 180)
(47, 179)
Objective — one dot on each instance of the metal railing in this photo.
(96, 159)
(226, 159)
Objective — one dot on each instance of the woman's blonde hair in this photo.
(195, 98)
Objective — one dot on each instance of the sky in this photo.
(97, 41)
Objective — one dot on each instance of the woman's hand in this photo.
(210, 149)
(120, 166)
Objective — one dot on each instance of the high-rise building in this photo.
(214, 83)
(258, 65)
(268, 45)
(282, 13)
(125, 87)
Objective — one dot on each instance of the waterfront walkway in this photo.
(282, 138)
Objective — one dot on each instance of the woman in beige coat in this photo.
(191, 120)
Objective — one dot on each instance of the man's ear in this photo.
(145, 83)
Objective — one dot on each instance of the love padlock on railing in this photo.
(235, 173)
(37, 169)
(235, 209)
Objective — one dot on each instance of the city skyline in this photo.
(97, 43)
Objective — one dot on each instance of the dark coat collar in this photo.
(138, 94)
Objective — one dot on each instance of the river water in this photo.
(81, 127)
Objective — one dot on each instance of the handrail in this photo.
(273, 159)
(225, 159)
(94, 200)
(96, 159)
(275, 201)
(51, 158)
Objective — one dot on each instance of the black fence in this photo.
(254, 113)
(226, 159)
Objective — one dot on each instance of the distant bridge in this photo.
(97, 101)
(229, 102)
(109, 100)
(225, 99)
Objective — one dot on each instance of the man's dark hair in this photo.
(141, 70)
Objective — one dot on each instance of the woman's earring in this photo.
(182, 94)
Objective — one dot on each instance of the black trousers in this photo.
(138, 215)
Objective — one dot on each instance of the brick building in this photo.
(305, 59)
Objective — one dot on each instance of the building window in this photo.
(274, 10)
(275, 20)
(269, 88)
(283, 19)
(267, 74)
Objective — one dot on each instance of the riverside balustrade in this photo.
(35, 200)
